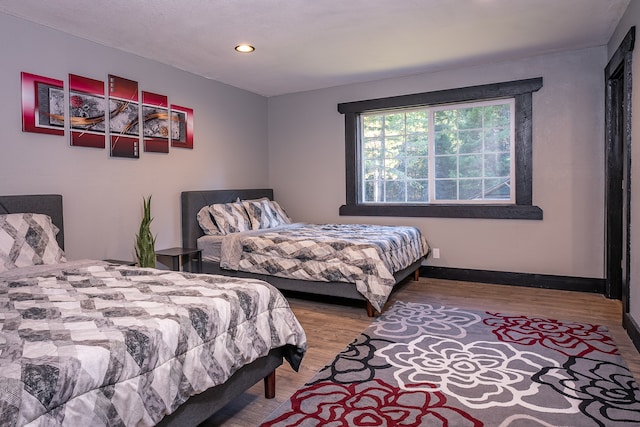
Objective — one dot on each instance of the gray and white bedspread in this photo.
(363, 254)
(95, 345)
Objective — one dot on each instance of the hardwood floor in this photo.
(330, 327)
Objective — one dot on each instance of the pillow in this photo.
(265, 213)
(277, 208)
(28, 239)
(206, 222)
(230, 217)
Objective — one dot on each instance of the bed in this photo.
(192, 204)
(87, 342)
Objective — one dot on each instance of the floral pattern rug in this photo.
(425, 365)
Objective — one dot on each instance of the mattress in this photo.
(211, 247)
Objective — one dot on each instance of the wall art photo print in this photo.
(181, 127)
(124, 118)
(155, 122)
(42, 104)
(87, 112)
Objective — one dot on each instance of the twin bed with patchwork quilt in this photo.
(245, 233)
(91, 343)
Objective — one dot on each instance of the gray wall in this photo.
(103, 195)
(306, 141)
(631, 18)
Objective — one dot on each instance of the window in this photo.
(454, 153)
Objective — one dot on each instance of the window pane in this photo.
(393, 146)
(444, 120)
(417, 167)
(394, 191)
(373, 169)
(372, 126)
(471, 189)
(372, 148)
(446, 142)
(418, 191)
(446, 167)
(469, 118)
(470, 141)
(497, 188)
(394, 169)
(373, 191)
(418, 122)
(470, 166)
(498, 164)
(418, 145)
(497, 139)
(446, 189)
(394, 124)
(497, 115)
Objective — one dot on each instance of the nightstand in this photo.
(181, 258)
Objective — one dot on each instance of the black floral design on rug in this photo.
(425, 365)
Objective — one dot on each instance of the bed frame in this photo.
(193, 201)
(199, 407)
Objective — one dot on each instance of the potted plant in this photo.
(145, 241)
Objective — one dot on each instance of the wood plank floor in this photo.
(330, 327)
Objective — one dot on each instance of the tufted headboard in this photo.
(48, 204)
(193, 201)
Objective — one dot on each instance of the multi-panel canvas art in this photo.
(123, 115)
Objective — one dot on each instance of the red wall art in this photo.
(42, 104)
(87, 112)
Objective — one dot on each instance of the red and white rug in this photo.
(424, 365)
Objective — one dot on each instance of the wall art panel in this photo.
(155, 119)
(124, 118)
(87, 112)
(42, 104)
(181, 127)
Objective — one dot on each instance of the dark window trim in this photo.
(520, 90)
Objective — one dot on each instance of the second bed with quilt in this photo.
(246, 233)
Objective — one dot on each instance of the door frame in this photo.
(618, 79)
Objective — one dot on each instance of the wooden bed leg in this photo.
(371, 312)
(270, 385)
(416, 274)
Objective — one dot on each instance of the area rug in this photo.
(425, 365)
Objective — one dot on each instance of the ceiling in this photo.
(312, 44)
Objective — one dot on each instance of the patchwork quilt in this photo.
(91, 344)
(363, 254)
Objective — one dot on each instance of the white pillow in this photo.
(28, 239)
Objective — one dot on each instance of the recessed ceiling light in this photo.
(245, 48)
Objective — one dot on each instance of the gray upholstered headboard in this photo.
(48, 204)
(193, 201)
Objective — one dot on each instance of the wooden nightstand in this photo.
(181, 258)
